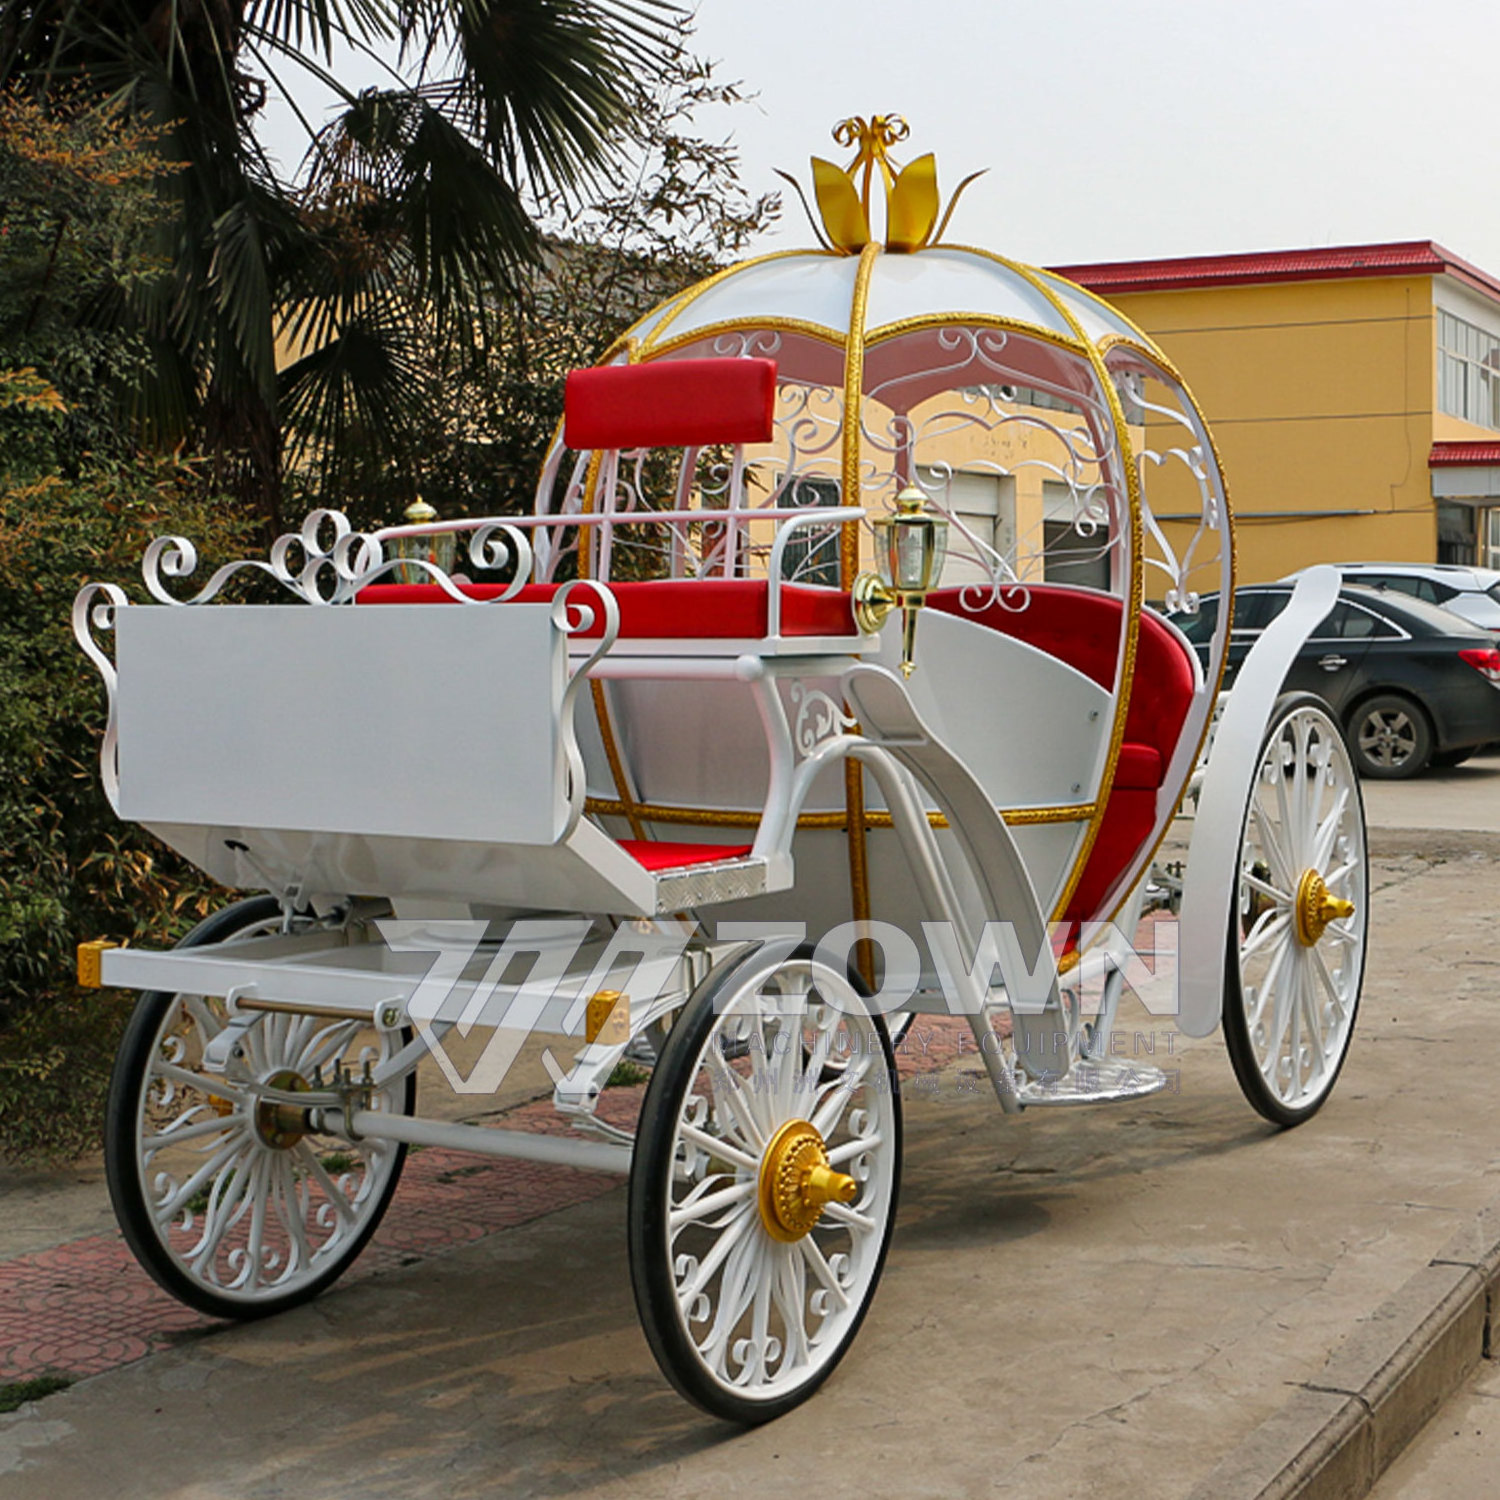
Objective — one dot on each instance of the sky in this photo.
(1124, 129)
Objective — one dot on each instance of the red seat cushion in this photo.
(674, 403)
(670, 608)
(1082, 628)
(662, 854)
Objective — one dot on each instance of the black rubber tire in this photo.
(1237, 1040)
(127, 1193)
(650, 1181)
(1407, 720)
(1445, 760)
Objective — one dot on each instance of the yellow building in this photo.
(1353, 392)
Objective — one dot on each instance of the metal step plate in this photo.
(1105, 1081)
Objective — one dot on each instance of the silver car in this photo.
(1473, 593)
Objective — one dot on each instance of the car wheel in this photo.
(1390, 738)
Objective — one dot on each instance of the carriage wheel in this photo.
(238, 1209)
(1297, 932)
(763, 1190)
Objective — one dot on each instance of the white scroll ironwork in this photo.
(322, 569)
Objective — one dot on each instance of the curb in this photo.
(1341, 1431)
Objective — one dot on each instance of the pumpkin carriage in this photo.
(836, 677)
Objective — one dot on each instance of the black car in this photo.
(1413, 685)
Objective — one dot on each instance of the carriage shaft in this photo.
(372, 1124)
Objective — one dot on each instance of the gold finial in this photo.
(911, 192)
(419, 513)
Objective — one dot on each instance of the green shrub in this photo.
(69, 869)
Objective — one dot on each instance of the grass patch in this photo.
(22, 1391)
(627, 1074)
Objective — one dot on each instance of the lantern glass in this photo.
(439, 549)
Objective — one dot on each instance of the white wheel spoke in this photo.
(205, 1083)
(292, 1212)
(729, 1236)
(790, 1290)
(1266, 989)
(1265, 888)
(1310, 1022)
(1281, 1015)
(736, 1286)
(164, 1213)
(216, 1126)
(226, 1206)
(1268, 926)
(260, 1191)
(1320, 967)
(717, 1145)
(324, 1181)
(841, 1213)
(822, 1270)
(838, 1155)
(710, 1203)
(733, 1098)
(335, 1041)
(1270, 839)
(1328, 830)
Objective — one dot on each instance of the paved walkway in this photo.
(82, 1305)
(1104, 1302)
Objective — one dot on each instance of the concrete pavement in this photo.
(1117, 1301)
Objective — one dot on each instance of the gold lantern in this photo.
(438, 549)
(910, 545)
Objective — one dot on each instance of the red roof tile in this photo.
(1339, 262)
(1460, 455)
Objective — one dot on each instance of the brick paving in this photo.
(84, 1307)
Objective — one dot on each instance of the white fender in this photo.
(1213, 856)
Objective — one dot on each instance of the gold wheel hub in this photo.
(281, 1126)
(1316, 907)
(796, 1182)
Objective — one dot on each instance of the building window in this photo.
(812, 552)
(1468, 372)
(1455, 534)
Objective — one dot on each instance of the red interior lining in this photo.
(670, 608)
(1082, 628)
(663, 854)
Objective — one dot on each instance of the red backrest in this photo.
(670, 608)
(674, 403)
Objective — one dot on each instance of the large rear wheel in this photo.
(1297, 930)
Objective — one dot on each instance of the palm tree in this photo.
(412, 212)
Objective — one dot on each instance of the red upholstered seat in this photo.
(1082, 628)
(671, 608)
(663, 854)
(673, 403)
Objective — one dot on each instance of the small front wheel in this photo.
(236, 1207)
(763, 1189)
(1297, 930)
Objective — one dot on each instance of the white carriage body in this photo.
(661, 703)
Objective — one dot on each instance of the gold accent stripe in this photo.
(686, 298)
(854, 772)
(854, 386)
(1126, 676)
(923, 321)
(707, 817)
(818, 331)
